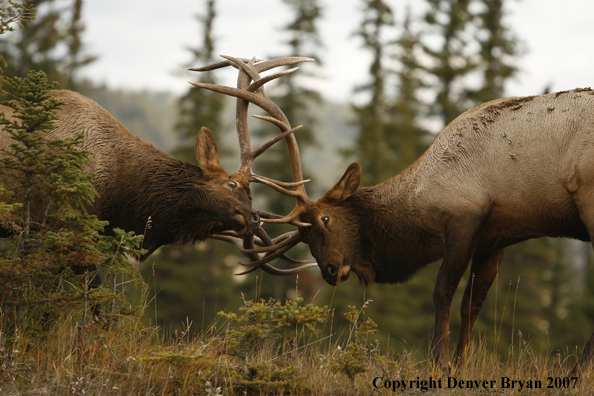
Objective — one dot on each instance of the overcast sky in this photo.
(142, 44)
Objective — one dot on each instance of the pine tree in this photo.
(393, 110)
(292, 98)
(41, 44)
(14, 16)
(56, 235)
(498, 49)
(453, 59)
(75, 57)
(200, 107)
(373, 151)
(195, 282)
(408, 138)
(295, 101)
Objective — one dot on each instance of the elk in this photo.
(501, 173)
(137, 182)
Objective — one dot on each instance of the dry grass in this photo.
(129, 359)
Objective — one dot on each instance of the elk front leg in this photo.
(461, 240)
(482, 274)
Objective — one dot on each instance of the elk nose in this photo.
(329, 275)
(332, 271)
(254, 222)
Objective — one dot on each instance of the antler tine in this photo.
(277, 271)
(262, 239)
(232, 240)
(281, 249)
(257, 84)
(285, 185)
(290, 218)
(247, 67)
(274, 63)
(280, 241)
(274, 121)
(277, 186)
(248, 244)
(275, 139)
(220, 65)
(267, 241)
(264, 216)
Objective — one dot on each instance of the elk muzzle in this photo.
(248, 221)
(336, 271)
(254, 223)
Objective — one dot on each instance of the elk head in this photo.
(230, 195)
(332, 234)
(331, 228)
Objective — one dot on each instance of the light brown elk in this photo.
(501, 173)
(135, 181)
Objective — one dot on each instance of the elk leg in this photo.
(461, 240)
(585, 361)
(586, 212)
(580, 187)
(482, 274)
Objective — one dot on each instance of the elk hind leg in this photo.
(586, 359)
(581, 187)
(584, 362)
(482, 274)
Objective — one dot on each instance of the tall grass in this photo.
(268, 348)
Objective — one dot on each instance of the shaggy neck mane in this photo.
(160, 188)
(393, 245)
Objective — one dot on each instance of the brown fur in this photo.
(501, 173)
(135, 181)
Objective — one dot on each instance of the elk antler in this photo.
(246, 248)
(252, 92)
(250, 89)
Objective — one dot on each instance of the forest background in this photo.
(424, 70)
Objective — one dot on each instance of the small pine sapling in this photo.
(358, 355)
(50, 191)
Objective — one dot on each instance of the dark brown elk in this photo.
(137, 182)
(501, 173)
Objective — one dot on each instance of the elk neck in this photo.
(169, 191)
(395, 239)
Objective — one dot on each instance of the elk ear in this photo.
(348, 183)
(206, 151)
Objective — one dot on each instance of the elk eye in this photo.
(232, 184)
(325, 220)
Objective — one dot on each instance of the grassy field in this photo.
(267, 348)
